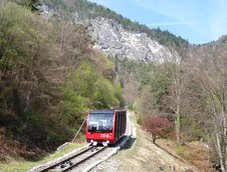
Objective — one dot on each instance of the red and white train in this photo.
(105, 126)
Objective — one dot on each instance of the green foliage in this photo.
(153, 80)
(139, 120)
(56, 4)
(156, 79)
(104, 96)
(131, 106)
(180, 149)
(186, 152)
(83, 79)
(118, 94)
(21, 37)
(23, 41)
(74, 106)
(92, 89)
(154, 85)
(44, 97)
(36, 127)
(21, 166)
(30, 4)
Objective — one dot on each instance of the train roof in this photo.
(106, 111)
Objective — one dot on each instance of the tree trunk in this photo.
(154, 138)
(178, 111)
(178, 124)
(16, 102)
(220, 153)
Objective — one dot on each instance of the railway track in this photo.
(75, 160)
(83, 159)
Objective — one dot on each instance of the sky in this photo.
(198, 21)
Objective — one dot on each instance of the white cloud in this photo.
(173, 9)
(220, 28)
(205, 17)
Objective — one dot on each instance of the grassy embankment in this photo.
(23, 165)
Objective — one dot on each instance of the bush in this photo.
(131, 105)
(158, 127)
(180, 149)
(186, 152)
(139, 120)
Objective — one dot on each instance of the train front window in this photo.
(100, 122)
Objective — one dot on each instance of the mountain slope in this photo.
(113, 39)
(49, 78)
(117, 35)
(88, 10)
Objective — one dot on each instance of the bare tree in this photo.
(174, 67)
(179, 98)
(214, 82)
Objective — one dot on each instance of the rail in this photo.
(73, 165)
(68, 163)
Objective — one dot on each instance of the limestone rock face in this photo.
(113, 39)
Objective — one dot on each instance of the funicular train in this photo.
(105, 126)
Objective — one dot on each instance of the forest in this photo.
(186, 100)
(50, 77)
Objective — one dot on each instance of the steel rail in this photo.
(83, 160)
(67, 159)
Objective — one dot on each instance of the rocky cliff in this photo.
(111, 36)
(113, 39)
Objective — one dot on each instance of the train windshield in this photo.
(100, 122)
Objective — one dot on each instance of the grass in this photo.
(22, 166)
(180, 150)
(184, 152)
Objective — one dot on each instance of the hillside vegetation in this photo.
(184, 102)
(49, 78)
